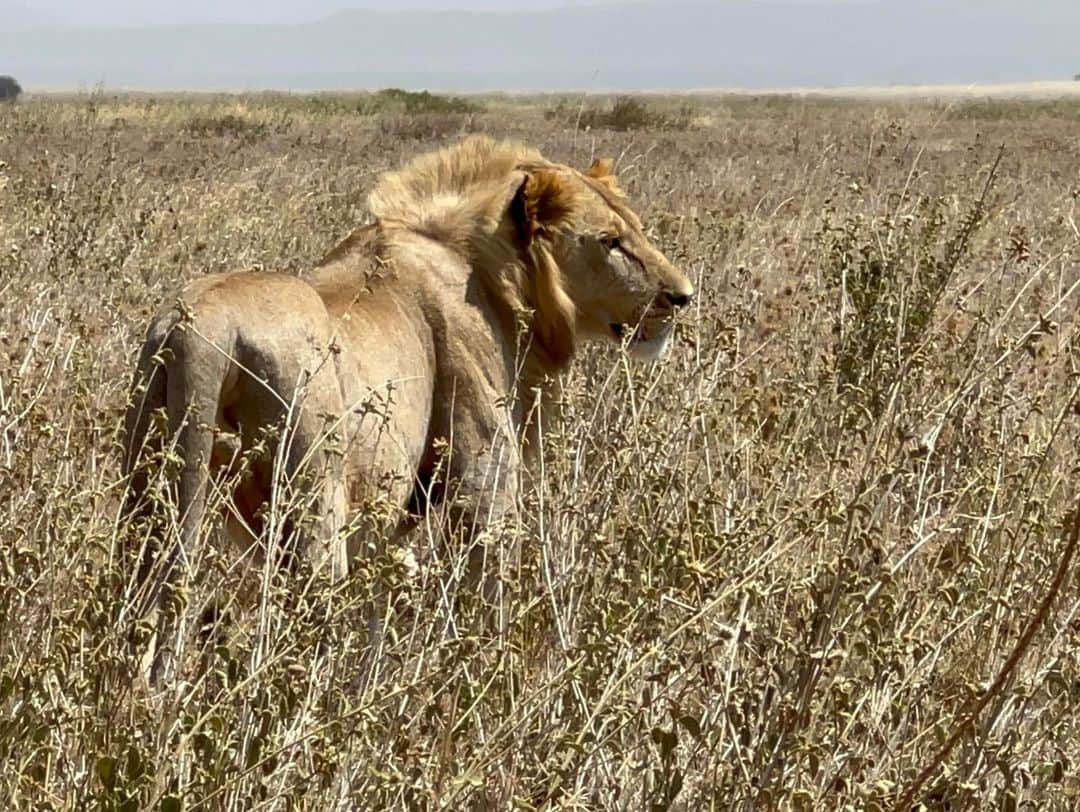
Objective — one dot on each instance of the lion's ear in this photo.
(542, 203)
(601, 169)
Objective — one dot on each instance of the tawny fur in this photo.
(431, 329)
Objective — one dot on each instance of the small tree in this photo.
(9, 88)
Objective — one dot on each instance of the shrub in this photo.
(424, 126)
(228, 124)
(891, 272)
(9, 88)
(627, 113)
(396, 100)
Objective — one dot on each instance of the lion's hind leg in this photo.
(299, 501)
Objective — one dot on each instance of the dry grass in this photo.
(776, 571)
(885, 93)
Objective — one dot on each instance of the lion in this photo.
(422, 340)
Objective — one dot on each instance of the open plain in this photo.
(781, 568)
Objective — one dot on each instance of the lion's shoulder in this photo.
(354, 267)
(362, 241)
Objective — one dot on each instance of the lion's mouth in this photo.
(645, 342)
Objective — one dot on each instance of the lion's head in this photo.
(555, 242)
(621, 287)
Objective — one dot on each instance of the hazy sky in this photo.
(161, 12)
(141, 12)
(660, 44)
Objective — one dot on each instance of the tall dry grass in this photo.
(778, 570)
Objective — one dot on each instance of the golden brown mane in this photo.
(459, 196)
(451, 194)
(499, 204)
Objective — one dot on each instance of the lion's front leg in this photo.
(482, 510)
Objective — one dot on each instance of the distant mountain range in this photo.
(646, 46)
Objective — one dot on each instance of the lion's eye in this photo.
(612, 243)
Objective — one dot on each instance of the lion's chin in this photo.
(645, 347)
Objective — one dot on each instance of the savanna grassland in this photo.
(778, 570)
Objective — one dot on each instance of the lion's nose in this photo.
(678, 299)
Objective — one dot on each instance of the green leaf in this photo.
(106, 770)
(691, 726)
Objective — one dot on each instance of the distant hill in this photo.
(649, 45)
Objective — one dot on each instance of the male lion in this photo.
(419, 341)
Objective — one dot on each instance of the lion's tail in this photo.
(145, 526)
(183, 373)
